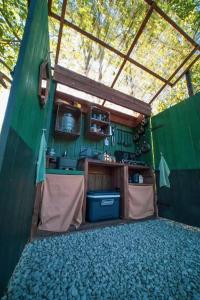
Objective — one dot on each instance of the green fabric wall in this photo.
(20, 138)
(176, 133)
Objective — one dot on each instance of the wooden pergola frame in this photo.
(126, 57)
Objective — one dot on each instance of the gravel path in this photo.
(156, 259)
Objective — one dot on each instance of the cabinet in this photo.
(137, 200)
(104, 176)
(98, 123)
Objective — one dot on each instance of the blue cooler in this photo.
(102, 205)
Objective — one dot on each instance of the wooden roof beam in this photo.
(49, 6)
(84, 84)
(60, 30)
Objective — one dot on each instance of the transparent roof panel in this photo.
(53, 35)
(160, 47)
(170, 96)
(137, 83)
(115, 22)
(81, 55)
(121, 109)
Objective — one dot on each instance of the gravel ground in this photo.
(156, 259)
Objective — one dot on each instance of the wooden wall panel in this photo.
(28, 117)
(176, 134)
(73, 147)
(22, 133)
(17, 191)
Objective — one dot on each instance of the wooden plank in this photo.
(107, 46)
(60, 30)
(84, 84)
(189, 83)
(125, 193)
(115, 116)
(49, 6)
(36, 210)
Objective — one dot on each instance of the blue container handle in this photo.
(107, 202)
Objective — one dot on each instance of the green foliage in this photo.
(195, 71)
(12, 20)
(171, 96)
(187, 15)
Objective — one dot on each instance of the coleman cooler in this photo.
(102, 205)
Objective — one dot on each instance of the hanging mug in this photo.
(136, 137)
(140, 130)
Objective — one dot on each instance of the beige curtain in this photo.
(62, 202)
(140, 201)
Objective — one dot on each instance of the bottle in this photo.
(141, 179)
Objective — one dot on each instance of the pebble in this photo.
(151, 260)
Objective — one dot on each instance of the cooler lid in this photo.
(100, 194)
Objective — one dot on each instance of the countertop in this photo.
(64, 172)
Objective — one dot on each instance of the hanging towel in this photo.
(164, 173)
(41, 163)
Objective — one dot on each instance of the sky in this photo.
(3, 104)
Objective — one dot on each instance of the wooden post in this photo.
(189, 83)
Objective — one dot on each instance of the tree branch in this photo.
(4, 76)
(5, 65)
(2, 82)
(9, 41)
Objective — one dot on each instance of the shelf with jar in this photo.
(98, 124)
(68, 121)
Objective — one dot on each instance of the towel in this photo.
(164, 173)
(41, 163)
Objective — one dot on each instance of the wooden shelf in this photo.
(138, 167)
(76, 117)
(96, 134)
(100, 122)
(67, 134)
(140, 184)
(145, 171)
(100, 162)
(101, 128)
